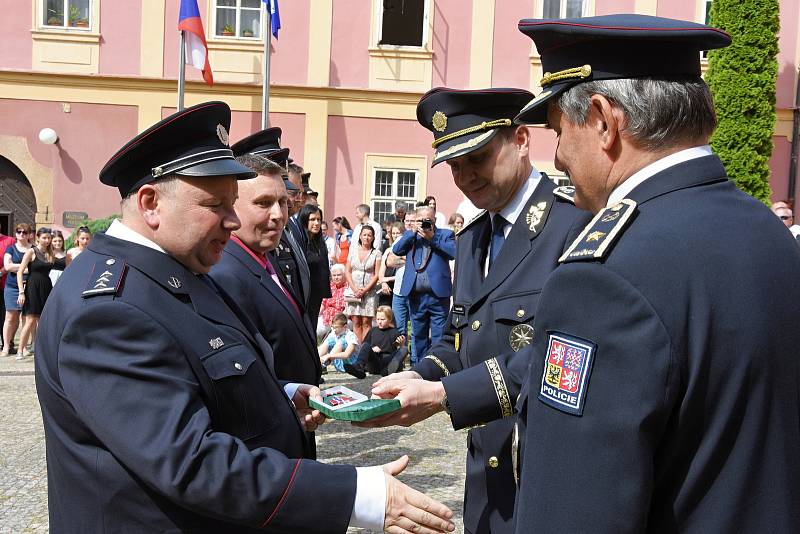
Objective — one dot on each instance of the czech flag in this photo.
(275, 16)
(196, 48)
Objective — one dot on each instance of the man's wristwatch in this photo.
(445, 404)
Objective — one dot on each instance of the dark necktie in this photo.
(498, 237)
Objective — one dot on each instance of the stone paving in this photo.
(436, 451)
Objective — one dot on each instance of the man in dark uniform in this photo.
(161, 408)
(664, 385)
(503, 257)
(252, 281)
(288, 257)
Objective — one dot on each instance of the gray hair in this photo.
(260, 164)
(337, 268)
(424, 208)
(659, 113)
(363, 208)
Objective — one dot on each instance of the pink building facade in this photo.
(345, 75)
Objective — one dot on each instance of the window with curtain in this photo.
(238, 18)
(69, 14)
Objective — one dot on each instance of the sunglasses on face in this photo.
(786, 217)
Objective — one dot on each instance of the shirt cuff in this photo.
(369, 509)
(291, 389)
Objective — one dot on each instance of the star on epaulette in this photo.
(565, 192)
(596, 239)
(106, 277)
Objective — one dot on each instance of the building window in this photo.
(403, 22)
(238, 18)
(563, 9)
(389, 186)
(66, 14)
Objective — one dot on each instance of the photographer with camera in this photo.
(426, 280)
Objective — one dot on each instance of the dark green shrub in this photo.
(742, 79)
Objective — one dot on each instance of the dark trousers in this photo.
(428, 314)
(377, 363)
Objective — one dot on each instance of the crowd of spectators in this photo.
(33, 261)
(366, 279)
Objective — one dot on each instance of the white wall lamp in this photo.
(48, 136)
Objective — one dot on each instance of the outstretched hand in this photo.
(419, 399)
(408, 510)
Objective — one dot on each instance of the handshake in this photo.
(406, 509)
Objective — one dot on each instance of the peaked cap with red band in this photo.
(610, 47)
(192, 142)
(265, 143)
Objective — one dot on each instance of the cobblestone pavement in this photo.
(436, 451)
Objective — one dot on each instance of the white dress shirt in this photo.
(622, 190)
(515, 207)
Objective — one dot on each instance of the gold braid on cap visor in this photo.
(575, 72)
(472, 129)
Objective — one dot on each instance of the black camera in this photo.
(427, 224)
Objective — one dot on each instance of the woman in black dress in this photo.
(39, 261)
(317, 257)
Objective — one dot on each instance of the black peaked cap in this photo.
(465, 120)
(613, 47)
(192, 142)
(265, 143)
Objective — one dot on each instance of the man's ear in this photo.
(147, 203)
(522, 139)
(606, 120)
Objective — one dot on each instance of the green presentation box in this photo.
(361, 411)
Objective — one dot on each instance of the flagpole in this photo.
(265, 88)
(182, 71)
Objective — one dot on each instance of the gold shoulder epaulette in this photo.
(566, 192)
(600, 234)
(472, 221)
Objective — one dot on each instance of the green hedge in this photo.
(742, 79)
(95, 225)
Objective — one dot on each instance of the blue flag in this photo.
(275, 16)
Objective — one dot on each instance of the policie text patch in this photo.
(567, 366)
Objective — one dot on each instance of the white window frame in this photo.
(562, 8)
(377, 24)
(42, 18)
(237, 29)
(394, 198)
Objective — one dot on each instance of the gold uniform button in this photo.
(494, 462)
(520, 313)
(476, 325)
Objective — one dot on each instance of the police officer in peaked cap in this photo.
(150, 378)
(664, 385)
(503, 258)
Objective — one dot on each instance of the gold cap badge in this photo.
(439, 121)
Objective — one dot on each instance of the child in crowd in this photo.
(383, 349)
(339, 346)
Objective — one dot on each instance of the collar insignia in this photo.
(535, 215)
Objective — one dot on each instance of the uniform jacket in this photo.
(162, 411)
(686, 343)
(442, 249)
(491, 316)
(290, 335)
(289, 261)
